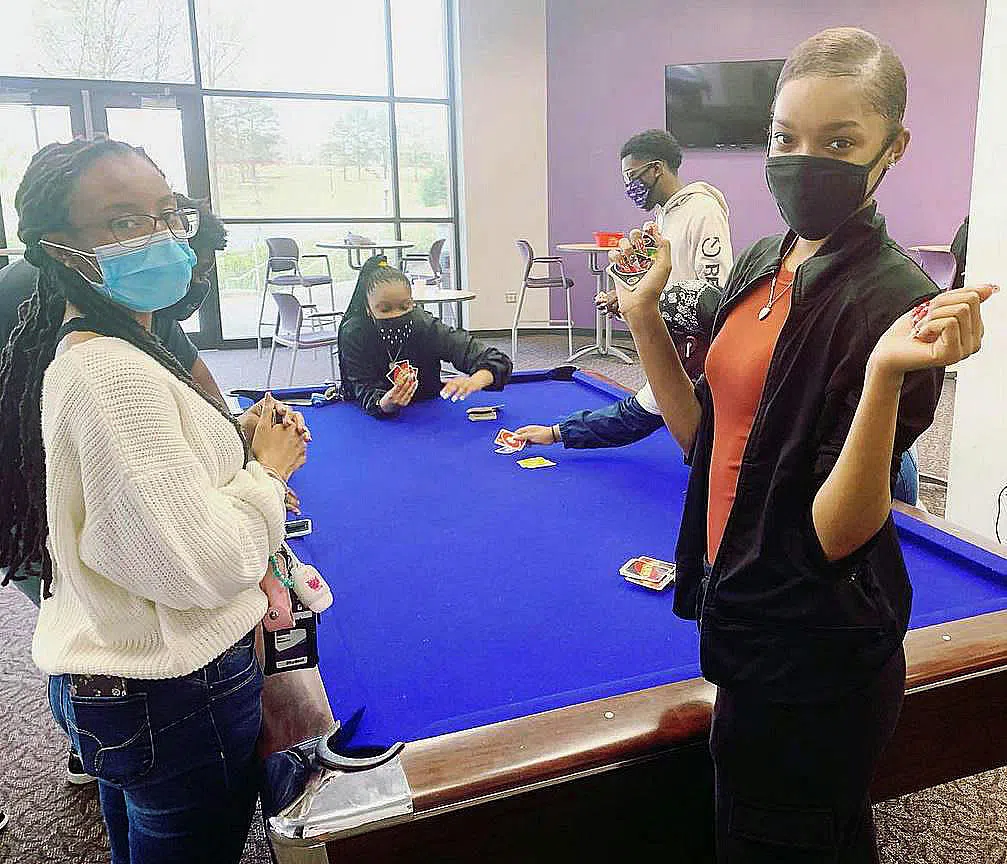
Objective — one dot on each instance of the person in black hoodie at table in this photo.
(383, 327)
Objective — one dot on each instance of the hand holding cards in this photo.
(642, 253)
(405, 380)
(402, 367)
(508, 442)
(648, 572)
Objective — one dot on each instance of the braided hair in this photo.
(375, 271)
(42, 202)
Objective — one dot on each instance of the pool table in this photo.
(550, 710)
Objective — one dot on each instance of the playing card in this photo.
(653, 586)
(483, 409)
(536, 462)
(489, 415)
(640, 569)
(396, 370)
(508, 438)
(632, 269)
(657, 562)
(503, 448)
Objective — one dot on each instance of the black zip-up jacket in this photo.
(363, 359)
(775, 615)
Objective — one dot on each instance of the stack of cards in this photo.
(508, 442)
(402, 367)
(483, 412)
(639, 259)
(536, 462)
(648, 572)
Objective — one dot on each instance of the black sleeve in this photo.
(362, 382)
(469, 355)
(918, 400)
(959, 247)
(170, 332)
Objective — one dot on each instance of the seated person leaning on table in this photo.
(383, 327)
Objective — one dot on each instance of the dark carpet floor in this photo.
(960, 823)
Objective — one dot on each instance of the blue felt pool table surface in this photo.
(468, 590)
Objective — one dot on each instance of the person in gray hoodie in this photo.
(694, 217)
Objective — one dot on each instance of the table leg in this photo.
(599, 346)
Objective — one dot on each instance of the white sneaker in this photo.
(75, 772)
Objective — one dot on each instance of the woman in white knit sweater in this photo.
(152, 523)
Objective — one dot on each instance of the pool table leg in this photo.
(314, 854)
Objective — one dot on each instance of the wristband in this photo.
(556, 435)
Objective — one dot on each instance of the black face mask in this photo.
(816, 194)
(185, 308)
(395, 332)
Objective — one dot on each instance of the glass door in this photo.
(30, 118)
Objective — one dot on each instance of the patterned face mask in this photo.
(639, 192)
(395, 332)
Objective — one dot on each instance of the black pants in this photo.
(792, 780)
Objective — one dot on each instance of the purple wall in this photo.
(603, 52)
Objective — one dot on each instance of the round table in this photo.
(603, 323)
(424, 295)
(354, 250)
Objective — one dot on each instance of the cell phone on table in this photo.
(297, 528)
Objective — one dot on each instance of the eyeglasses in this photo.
(134, 230)
(632, 174)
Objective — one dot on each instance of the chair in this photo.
(283, 270)
(938, 264)
(432, 259)
(288, 331)
(537, 282)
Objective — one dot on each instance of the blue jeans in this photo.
(615, 425)
(175, 759)
(907, 485)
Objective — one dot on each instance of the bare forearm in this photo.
(856, 498)
(673, 390)
(204, 378)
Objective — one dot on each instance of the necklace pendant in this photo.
(764, 312)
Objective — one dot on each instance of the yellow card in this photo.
(536, 462)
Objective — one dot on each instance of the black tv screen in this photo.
(721, 104)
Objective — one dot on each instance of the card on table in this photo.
(483, 412)
(653, 586)
(536, 462)
(646, 570)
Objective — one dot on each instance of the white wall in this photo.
(978, 468)
(501, 75)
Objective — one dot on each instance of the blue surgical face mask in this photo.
(143, 280)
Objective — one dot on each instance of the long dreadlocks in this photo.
(42, 202)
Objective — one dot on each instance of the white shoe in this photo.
(75, 772)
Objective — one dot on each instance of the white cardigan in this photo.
(159, 537)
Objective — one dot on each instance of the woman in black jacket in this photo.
(383, 328)
(827, 358)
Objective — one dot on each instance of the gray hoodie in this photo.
(695, 221)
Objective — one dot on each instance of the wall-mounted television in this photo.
(721, 105)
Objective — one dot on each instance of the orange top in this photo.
(736, 368)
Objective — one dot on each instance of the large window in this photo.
(297, 119)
